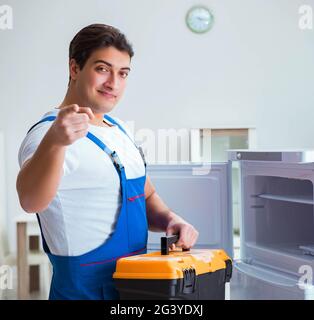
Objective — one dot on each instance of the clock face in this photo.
(199, 19)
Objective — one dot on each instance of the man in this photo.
(84, 176)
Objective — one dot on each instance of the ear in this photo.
(74, 69)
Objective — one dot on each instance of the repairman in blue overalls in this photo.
(85, 177)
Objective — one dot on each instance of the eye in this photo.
(124, 74)
(102, 69)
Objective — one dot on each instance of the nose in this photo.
(112, 82)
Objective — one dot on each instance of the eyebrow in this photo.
(110, 65)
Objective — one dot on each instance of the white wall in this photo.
(254, 68)
(285, 109)
(3, 222)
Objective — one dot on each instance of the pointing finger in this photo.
(73, 108)
(86, 110)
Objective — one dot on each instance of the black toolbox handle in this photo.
(167, 241)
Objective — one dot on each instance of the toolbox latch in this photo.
(228, 271)
(189, 280)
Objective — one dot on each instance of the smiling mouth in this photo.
(107, 95)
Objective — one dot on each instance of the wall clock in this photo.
(199, 19)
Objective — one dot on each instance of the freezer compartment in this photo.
(252, 282)
(277, 215)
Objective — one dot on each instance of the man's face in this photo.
(101, 82)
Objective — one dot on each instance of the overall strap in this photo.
(96, 140)
(45, 245)
(123, 130)
(117, 124)
(49, 118)
(112, 154)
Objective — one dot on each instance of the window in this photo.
(211, 145)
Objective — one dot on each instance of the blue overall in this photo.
(89, 276)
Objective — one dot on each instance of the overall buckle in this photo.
(116, 161)
(142, 154)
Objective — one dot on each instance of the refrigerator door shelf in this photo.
(250, 282)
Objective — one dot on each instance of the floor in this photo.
(11, 294)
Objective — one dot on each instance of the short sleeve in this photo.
(33, 140)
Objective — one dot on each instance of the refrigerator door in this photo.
(252, 282)
(201, 195)
(277, 225)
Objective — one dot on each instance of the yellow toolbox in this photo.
(196, 274)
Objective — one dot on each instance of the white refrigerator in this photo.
(276, 221)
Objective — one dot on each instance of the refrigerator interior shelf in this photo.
(309, 250)
(297, 199)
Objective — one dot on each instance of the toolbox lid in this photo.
(154, 265)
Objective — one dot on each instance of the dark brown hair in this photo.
(96, 36)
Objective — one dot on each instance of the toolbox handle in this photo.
(167, 241)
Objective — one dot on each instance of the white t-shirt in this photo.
(83, 213)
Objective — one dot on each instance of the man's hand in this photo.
(187, 233)
(39, 178)
(70, 125)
